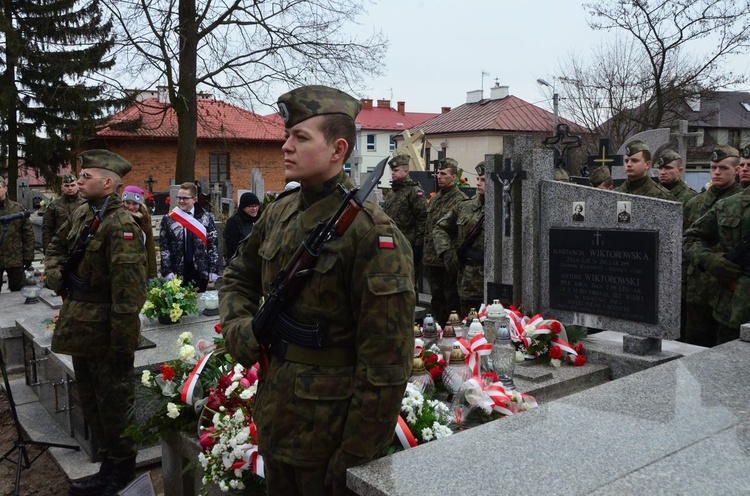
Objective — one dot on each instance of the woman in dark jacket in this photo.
(241, 223)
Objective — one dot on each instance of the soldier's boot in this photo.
(93, 485)
(123, 473)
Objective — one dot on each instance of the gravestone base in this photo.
(622, 363)
(745, 332)
(639, 345)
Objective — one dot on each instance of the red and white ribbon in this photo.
(474, 351)
(564, 346)
(190, 223)
(404, 435)
(188, 389)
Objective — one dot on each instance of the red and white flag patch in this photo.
(386, 242)
(127, 235)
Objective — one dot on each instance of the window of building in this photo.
(392, 145)
(218, 167)
(370, 142)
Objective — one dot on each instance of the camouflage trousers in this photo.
(700, 327)
(443, 291)
(16, 278)
(106, 391)
(282, 478)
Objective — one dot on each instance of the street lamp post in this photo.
(555, 102)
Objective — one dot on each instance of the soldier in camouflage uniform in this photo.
(702, 287)
(601, 178)
(705, 243)
(744, 173)
(17, 244)
(407, 206)
(319, 411)
(670, 176)
(60, 209)
(441, 273)
(450, 234)
(99, 324)
(637, 165)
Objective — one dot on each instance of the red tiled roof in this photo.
(390, 119)
(509, 114)
(216, 120)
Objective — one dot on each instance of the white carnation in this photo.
(185, 338)
(173, 410)
(146, 378)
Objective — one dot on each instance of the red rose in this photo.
(490, 375)
(579, 348)
(207, 440)
(556, 327)
(555, 353)
(167, 372)
(167, 201)
(430, 358)
(580, 360)
(436, 373)
(217, 328)
(441, 362)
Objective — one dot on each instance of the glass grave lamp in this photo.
(420, 377)
(210, 300)
(429, 331)
(33, 287)
(445, 343)
(503, 355)
(456, 372)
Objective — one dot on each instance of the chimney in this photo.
(474, 96)
(498, 92)
(401, 107)
(162, 95)
(367, 104)
(445, 110)
(386, 104)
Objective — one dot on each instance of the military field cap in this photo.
(308, 101)
(745, 152)
(667, 157)
(68, 178)
(399, 160)
(635, 146)
(561, 174)
(480, 168)
(724, 151)
(599, 174)
(104, 159)
(447, 162)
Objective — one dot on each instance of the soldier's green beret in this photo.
(447, 162)
(598, 175)
(745, 153)
(480, 168)
(635, 146)
(308, 101)
(724, 151)
(399, 160)
(667, 157)
(561, 174)
(68, 178)
(104, 159)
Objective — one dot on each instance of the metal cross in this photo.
(604, 157)
(150, 183)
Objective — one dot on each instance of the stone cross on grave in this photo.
(605, 157)
(681, 135)
(412, 146)
(150, 183)
(507, 177)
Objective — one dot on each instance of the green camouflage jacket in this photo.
(681, 191)
(114, 265)
(720, 230)
(439, 205)
(450, 233)
(702, 287)
(361, 294)
(407, 206)
(18, 241)
(645, 187)
(56, 214)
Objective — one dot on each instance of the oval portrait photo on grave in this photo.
(623, 211)
(579, 211)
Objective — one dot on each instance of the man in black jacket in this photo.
(241, 223)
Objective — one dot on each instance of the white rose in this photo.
(555, 362)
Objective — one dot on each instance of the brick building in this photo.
(231, 143)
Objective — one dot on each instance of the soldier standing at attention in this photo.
(17, 243)
(61, 209)
(670, 176)
(441, 274)
(702, 286)
(705, 243)
(407, 206)
(745, 167)
(98, 324)
(637, 165)
(463, 227)
(321, 410)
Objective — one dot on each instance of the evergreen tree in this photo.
(49, 101)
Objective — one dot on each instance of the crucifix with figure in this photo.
(150, 183)
(507, 177)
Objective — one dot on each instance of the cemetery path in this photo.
(44, 478)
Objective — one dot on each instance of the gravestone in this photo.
(603, 272)
(257, 183)
(24, 195)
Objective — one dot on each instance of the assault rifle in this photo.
(71, 263)
(271, 326)
(465, 251)
(740, 255)
(5, 219)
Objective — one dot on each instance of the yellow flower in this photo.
(176, 312)
(147, 306)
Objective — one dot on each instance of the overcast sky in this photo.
(439, 48)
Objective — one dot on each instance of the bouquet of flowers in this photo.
(481, 401)
(150, 203)
(422, 419)
(170, 299)
(537, 337)
(230, 455)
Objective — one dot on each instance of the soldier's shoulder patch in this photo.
(127, 235)
(420, 193)
(385, 242)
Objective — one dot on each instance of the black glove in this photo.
(721, 268)
(27, 264)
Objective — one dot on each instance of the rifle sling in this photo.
(323, 357)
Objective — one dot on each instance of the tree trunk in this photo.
(11, 116)
(185, 105)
